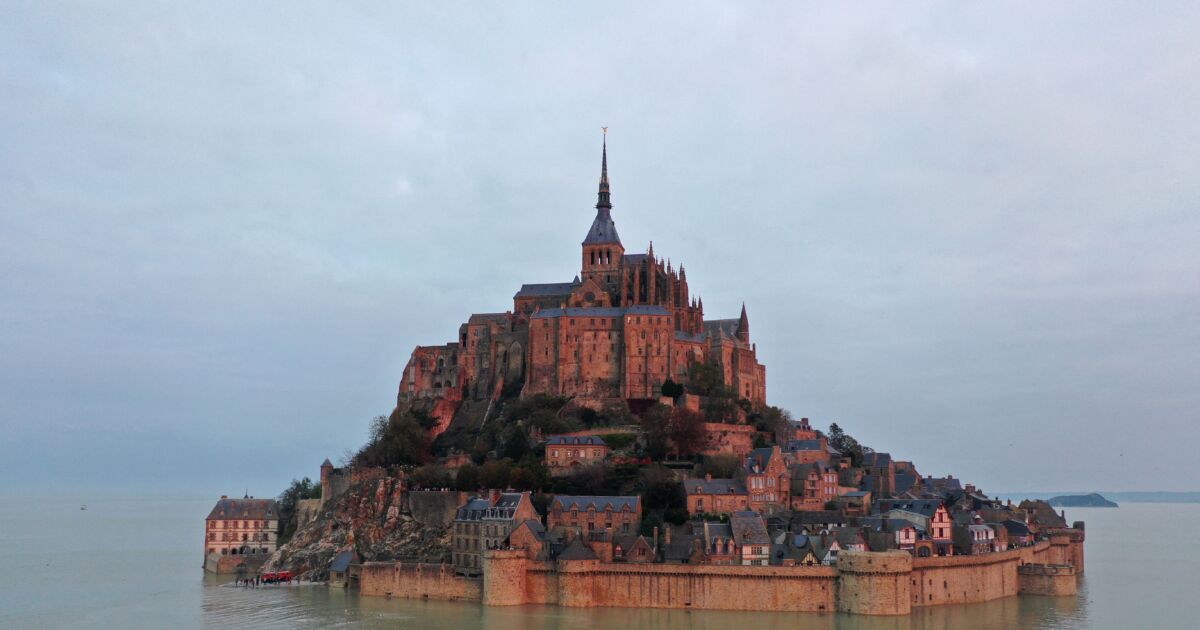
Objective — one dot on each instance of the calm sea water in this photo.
(135, 563)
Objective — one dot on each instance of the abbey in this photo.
(620, 329)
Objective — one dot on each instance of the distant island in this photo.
(1081, 500)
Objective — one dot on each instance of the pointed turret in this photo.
(743, 331)
(603, 231)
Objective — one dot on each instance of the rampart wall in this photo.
(417, 581)
(874, 583)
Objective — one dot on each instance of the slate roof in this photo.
(876, 460)
(749, 529)
(576, 550)
(575, 440)
(1016, 528)
(603, 229)
(634, 259)
(600, 311)
(685, 336)
(714, 486)
(803, 445)
(342, 561)
(546, 290)
(905, 482)
(758, 460)
(721, 327)
(818, 517)
(250, 509)
(472, 510)
(509, 500)
(599, 503)
(924, 507)
(483, 318)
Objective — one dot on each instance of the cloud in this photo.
(954, 228)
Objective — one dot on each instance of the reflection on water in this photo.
(318, 606)
(135, 563)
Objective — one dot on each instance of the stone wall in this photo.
(223, 564)
(434, 508)
(417, 581)
(874, 583)
(964, 579)
(1047, 579)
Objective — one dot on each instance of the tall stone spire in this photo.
(602, 196)
(603, 229)
(743, 331)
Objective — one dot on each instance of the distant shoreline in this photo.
(1119, 497)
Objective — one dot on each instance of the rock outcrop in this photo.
(375, 518)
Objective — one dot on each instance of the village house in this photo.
(879, 474)
(633, 548)
(245, 526)
(485, 523)
(715, 496)
(621, 515)
(751, 538)
(973, 539)
(813, 485)
(928, 514)
(767, 479)
(719, 545)
(565, 453)
(530, 536)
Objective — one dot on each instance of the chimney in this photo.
(656, 537)
(666, 534)
(708, 476)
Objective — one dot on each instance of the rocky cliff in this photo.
(380, 520)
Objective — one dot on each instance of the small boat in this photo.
(83, 507)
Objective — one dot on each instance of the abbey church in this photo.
(620, 329)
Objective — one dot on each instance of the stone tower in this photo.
(602, 249)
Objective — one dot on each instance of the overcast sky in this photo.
(968, 234)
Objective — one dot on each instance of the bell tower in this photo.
(602, 249)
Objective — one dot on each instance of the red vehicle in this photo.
(276, 578)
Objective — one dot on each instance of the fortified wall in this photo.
(870, 583)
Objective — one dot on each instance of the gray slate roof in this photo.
(611, 311)
(546, 290)
(341, 562)
(715, 486)
(600, 503)
(749, 528)
(603, 229)
(250, 509)
(575, 440)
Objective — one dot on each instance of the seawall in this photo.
(872, 583)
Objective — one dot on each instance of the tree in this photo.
(721, 409)
(430, 476)
(467, 478)
(845, 444)
(671, 389)
(299, 490)
(660, 488)
(397, 439)
(720, 466)
(775, 420)
(686, 431)
(494, 474)
(655, 423)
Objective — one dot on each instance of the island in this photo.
(604, 441)
(1081, 500)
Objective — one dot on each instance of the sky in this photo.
(968, 233)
